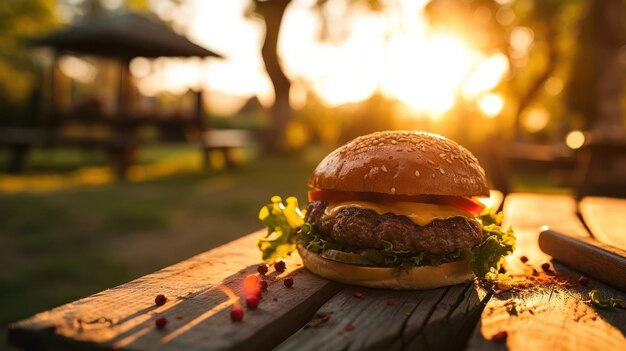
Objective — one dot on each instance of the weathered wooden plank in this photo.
(394, 320)
(606, 218)
(527, 213)
(198, 311)
(546, 312)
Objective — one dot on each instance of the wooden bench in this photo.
(121, 149)
(316, 314)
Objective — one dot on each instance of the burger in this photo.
(399, 209)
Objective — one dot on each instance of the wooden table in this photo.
(551, 316)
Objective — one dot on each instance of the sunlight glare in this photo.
(486, 76)
(77, 68)
(535, 119)
(575, 139)
(491, 104)
(425, 72)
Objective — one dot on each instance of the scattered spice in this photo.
(275, 299)
(252, 302)
(524, 259)
(358, 294)
(288, 282)
(501, 270)
(160, 322)
(599, 302)
(583, 280)
(349, 327)
(391, 302)
(160, 299)
(318, 319)
(263, 268)
(280, 266)
(236, 314)
(179, 317)
(263, 285)
(500, 336)
(546, 267)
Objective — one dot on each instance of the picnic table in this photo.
(317, 314)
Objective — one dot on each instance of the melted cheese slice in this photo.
(421, 214)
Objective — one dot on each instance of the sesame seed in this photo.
(417, 173)
(394, 142)
(441, 170)
(384, 169)
(393, 190)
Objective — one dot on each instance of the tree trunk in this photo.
(608, 88)
(273, 11)
(595, 86)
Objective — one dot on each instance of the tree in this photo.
(595, 88)
(272, 12)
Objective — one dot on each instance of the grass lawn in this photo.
(60, 245)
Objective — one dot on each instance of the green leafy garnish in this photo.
(496, 243)
(598, 301)
(286, 228)
(282, 222)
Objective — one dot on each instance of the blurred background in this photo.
(137, 133)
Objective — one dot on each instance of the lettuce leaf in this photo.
(487, 257)
(282, 222)
(286, 228)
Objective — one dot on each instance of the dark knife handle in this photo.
(600, 261)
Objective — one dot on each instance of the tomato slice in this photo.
(464, 203)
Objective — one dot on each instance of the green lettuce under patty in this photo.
(286, 227)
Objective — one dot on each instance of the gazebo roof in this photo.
(124, 35)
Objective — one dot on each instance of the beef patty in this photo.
(365, 228)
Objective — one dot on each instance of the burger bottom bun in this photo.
(423, 277)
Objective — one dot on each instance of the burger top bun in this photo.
(402, 163)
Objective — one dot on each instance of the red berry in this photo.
(236, 314)
(160, 322)
(499, 336)
(160, 299)
(263, 285)
(349, 327)
(288, 282)
(524, 259)
(583, 280)
(252, 302)
(545, 267)
(280, 265)
(358, 294)
(391, 302)
(262, 268)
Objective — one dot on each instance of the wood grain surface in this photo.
(537, 310)
(198, 311)
(606, 218)
(552, 312)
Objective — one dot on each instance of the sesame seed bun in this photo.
(402, 163)
(422, 277)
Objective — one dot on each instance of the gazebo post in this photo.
(123, 151)
(200, 122)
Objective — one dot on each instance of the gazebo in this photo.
(122, 37)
